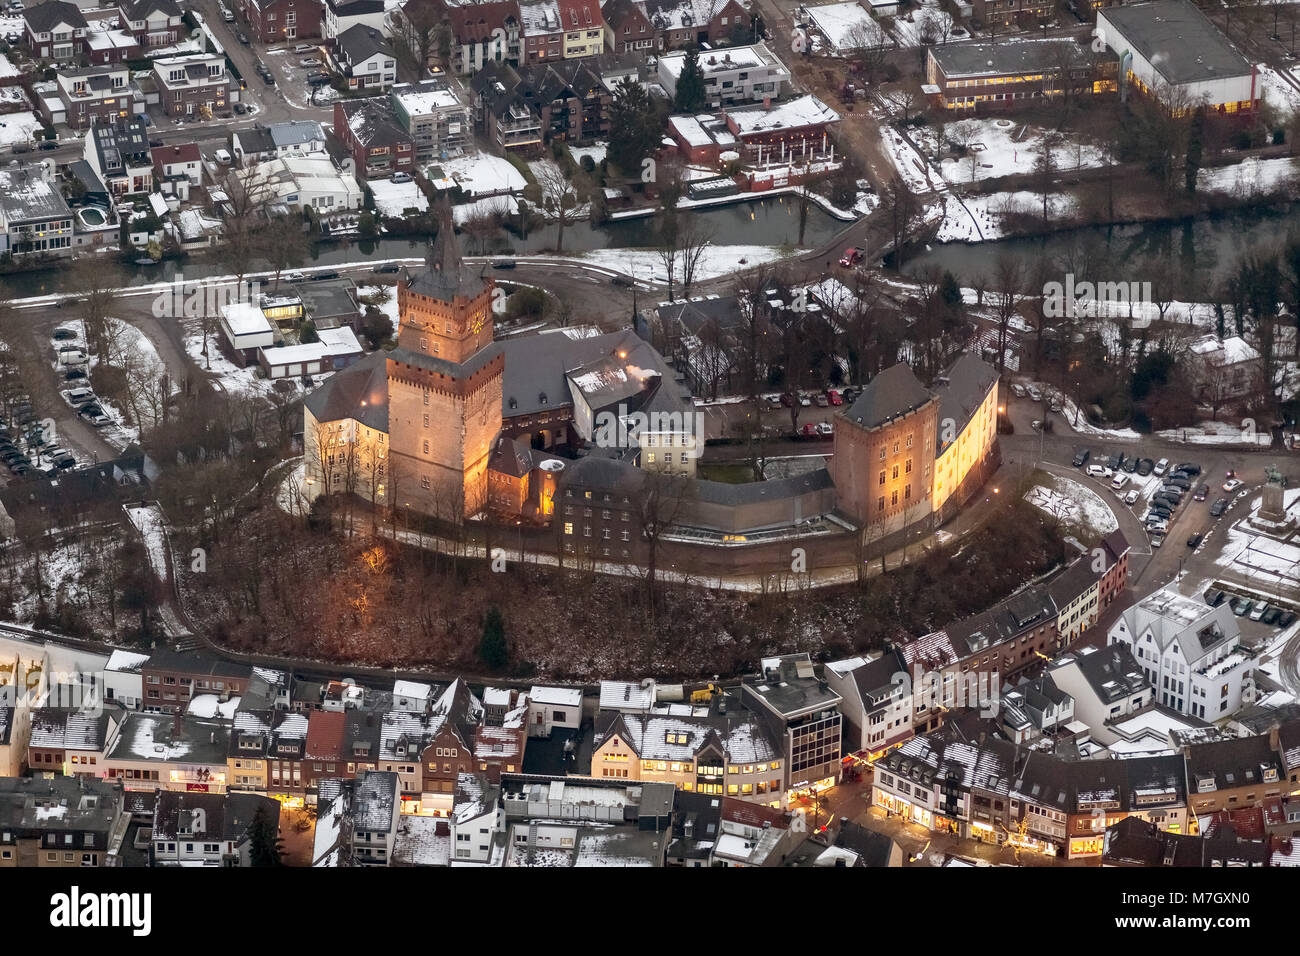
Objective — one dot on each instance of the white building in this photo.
(123, 683)
(476, 818)
(246, 329)
(1190, 652)
(33, 214)
(436, 115)
(1169, 49)
(302, 181)
(340, 15)
(551, 707)
(732, 75)
(1105, 684)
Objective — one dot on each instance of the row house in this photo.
(1233, 773)
(60, 822)
(801, 712)
(876, 702)
(195, 84)
(172, 678)
(570, 97)
(119, 154)
(561, 29)
(153, 23)
(277, 21)
(70, 742)
(340, 15)
(124, 679)
(1134, 842)
(208, 829)
(364, 59)
(1191, 653)
(111, 46)
(95, 94)
(1103, 792)
(55, 31)
(632, 25)
(260, 143)
(551, 708)
(723, 755)
(15, 729)
(1035, 708)
(429, 750)
(368, 131)
(357, 820)
(500, 741)
(161, 752)
(266, 753)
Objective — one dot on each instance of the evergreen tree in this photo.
(691, 96)
(492, 648)
(633, 128)
(264, 845)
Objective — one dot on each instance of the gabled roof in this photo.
(360, 42)
(143, 9)
(45, 16)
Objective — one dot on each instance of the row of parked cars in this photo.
(72, 361)
(830, 397)
(1261, 611)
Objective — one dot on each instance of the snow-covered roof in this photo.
(556, 696)
(802, 111)
(126, 662)
(245, 318)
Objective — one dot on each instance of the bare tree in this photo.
(1008, 283)
(558, 197)
(658, 504)
(693, 240)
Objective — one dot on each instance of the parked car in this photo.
(309, 61)
(318, 77)
(1219, 507)
(73, 374)
(239, 109)
(1190, 468)
(1195, 540)
(386, 267)
(833, 397)
(1241, 606)
(804, 401)
(1018, 390)
(80, 396)
(1157, 539)
(400, 177)
(1162, 466)
(1131, 465)
(242, 37)
(1145, 466)
(1119, 481)
(13, 39)
(1080, 456)
(1232, 484)
(1099, 471)
(1132, 496)
(303, 48)
(1258, 611)
(1271, 615)
(75, 357)
(1157, 525)
(62, 335)
(47, 144)
(1114, 461)
(787, 400)
(1286, 619)
(851, 394)
(821, 401)
(1214, 597)
(228, 15)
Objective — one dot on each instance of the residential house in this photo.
(107, 45)
(377, 143)
(302, 182)
(1190, 652)
(208, 829)
(570, 97)
(70, 741)
(61, 822)
(1135, 842)
(560, 29)
(480, 33)
(330, 303)
(364, 59)
(171, 678)
(750, 835)
(96, 94)
(55, 31)
(552, 707)
(124, 680)
(340, 15)
(194, 84)
(119, 154)
(732, 76)
(275, 21)
(357, 820)
(15, 733)
(477, 818)
(153, 23)
(1226, 369)
(503, 112)
(1035, 708)
(436, 114)
(1234, 773)
(1106, 684)
(876, 703)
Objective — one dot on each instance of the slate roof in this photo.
(340, 396)
(890, 395)
(1178, 40)
(360, 42)
(44, 16)
(961, 390)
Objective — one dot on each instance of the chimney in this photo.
(1274, 740)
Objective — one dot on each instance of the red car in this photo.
(834, 397)
(852, 256)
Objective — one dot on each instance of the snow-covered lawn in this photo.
(1001, 147)
(232, 378)
(919, 176)
(479, 174)
(929, 23)
(1218, 433)
(148, 520)
(18, 128)
(846, 26)
(394, 199)
(596, 151)
(976, 217)
(14, 99)
(1251, 177)
(1284, 97)
(646, 264)
(1073, 503)
(488, 206)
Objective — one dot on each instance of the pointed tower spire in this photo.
(444, 275)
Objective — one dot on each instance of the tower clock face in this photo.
(476, 322)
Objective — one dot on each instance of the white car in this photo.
(1232, 484)
(1034, 393)
(1159, 524)
(1162, 466)
(73, 358)
(1099, 471)
(1120, 481)
(304, 48)
(1018, 390)
(825, 428)
(1132, 497)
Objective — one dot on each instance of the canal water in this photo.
(773, 221)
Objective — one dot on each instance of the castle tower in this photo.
(444, 382)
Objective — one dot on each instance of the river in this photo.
(773, 221)
(1207, 248)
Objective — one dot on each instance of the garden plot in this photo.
(999, 147)
(18, 128)
(394, 199)
(1251, 177)
(1072, 503)
(846, 26)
